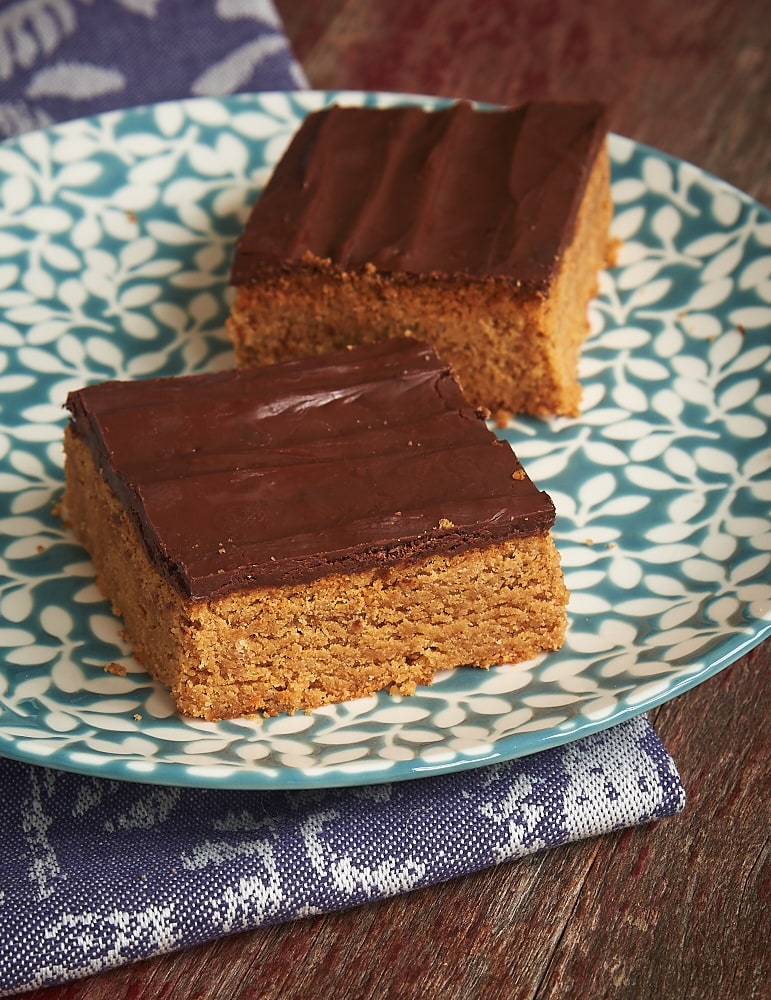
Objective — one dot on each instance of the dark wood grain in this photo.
(676, 910)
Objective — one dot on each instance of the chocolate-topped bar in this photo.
(481, 231)
(282, 537)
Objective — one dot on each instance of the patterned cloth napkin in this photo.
(96, 873)
(63, 59)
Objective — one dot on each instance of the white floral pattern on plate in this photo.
(115, 240)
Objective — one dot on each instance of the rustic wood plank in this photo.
(666, 911)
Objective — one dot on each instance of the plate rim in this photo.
(253, 776)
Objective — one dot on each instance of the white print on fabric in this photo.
(41, 862)
(76, 81)
(60, 59)
(93, 940)
(231, 73)
(388, 876)
(518, 816)
(592, 781)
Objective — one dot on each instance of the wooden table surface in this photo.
(673, 910)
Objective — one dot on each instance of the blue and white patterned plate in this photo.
(116, 234)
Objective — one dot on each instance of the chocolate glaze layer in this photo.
(284, 474)
(455, 191)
